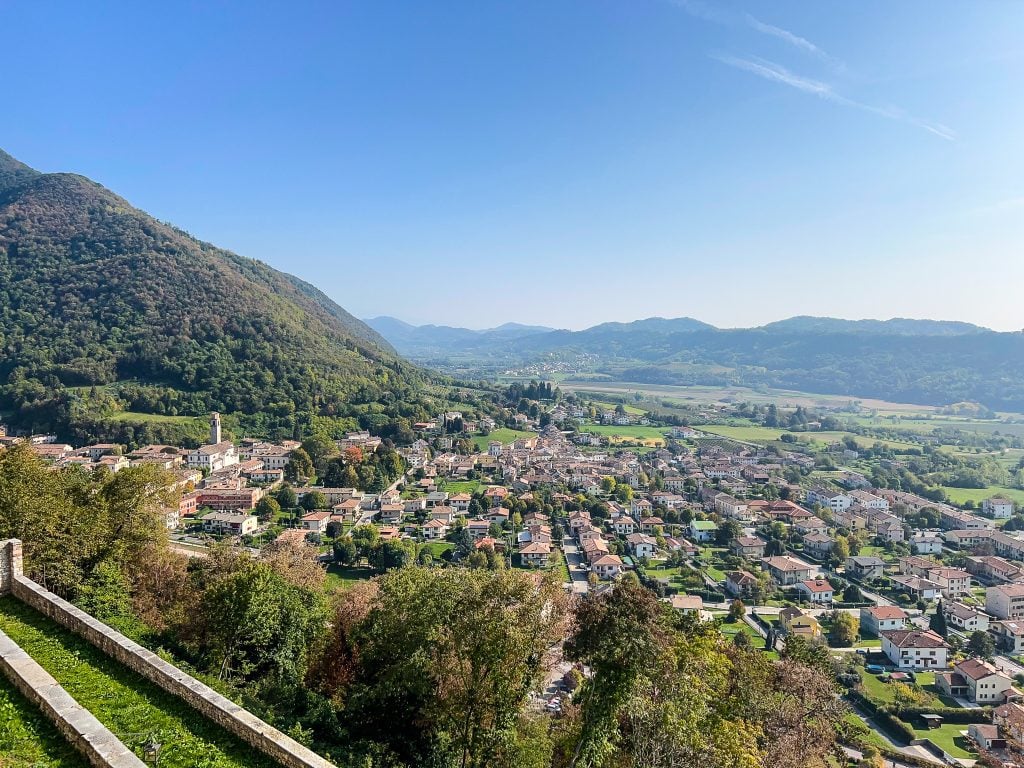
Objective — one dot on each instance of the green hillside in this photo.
(104, 309)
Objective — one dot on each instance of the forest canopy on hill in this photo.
(105, 309)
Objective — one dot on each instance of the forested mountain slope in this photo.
(94, 291)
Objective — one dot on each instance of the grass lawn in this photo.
(561, 565)
(502, 435)
(461, 486)
(876, 689)
(870, 642)
(947, 737)
(437, 548)
(27, 739)
(128, 705)
(977, 495)
(650, 435)
(340, 577)
(871, 736)
(155, 418)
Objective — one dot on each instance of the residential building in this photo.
(703, 531)
(865, 568)
(964, 617)
(998, 508)
(741, 583)
(316, 522)
(750, 547)
(817, 591)
(914, 649)
(994, 570)
(926, 543)
(876, 619)
(818, 545)
(435, 529)
(642, 545)
(796, 622)
(229, 523)
(978, 682)
(787, 570)
(1009, 635)
(691, 604)
(1005, 601)
(918, 588)
(607, 566)
(536, 553)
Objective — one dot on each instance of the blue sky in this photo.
(564, 162)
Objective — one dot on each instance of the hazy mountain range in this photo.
(918, 361)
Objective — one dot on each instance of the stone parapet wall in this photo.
(82, 730)
(213, 705)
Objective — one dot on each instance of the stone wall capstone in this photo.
(218, 708)
(82, 730)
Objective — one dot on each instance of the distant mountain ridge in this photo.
(419, 340)
(919, 361)
(95, 292)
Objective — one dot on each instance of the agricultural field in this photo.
(502, 435)
(753, 433)
(977, 495)
(653, 435)
(696, 395)
(131, 707)
(745, 433)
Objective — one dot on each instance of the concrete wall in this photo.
(221, 710)
(87, 734)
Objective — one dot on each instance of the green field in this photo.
(27, 739)
(131, 707)
(647, 434)
(155, 417)
(977, 495)
(461, 486)
(747, 434)
(763, 395)
(756, 434)
(340, 577)
(436, 548)
(502, 435)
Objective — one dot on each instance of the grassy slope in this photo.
(27, 739)
(129, 706)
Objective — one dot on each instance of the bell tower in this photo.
(214, 428)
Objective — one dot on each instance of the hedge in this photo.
(948, 714)
(886, 718)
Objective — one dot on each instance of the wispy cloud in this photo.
(769, 70)
(793, 39)
(726, 17)
(778, 74)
